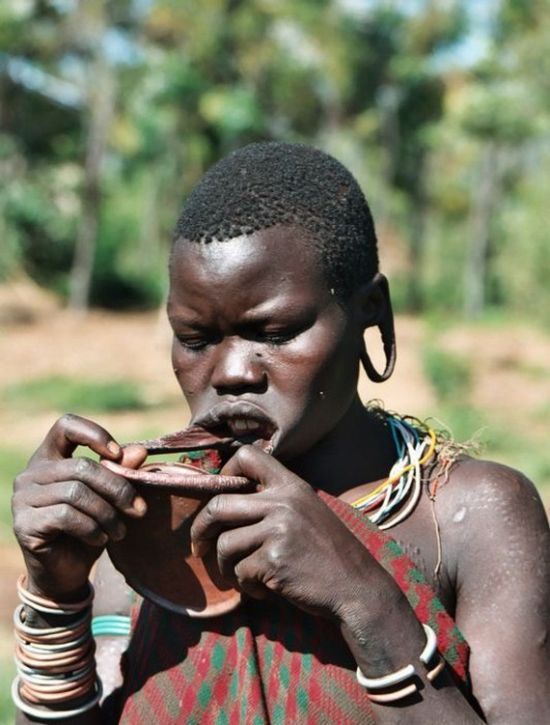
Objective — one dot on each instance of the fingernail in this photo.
(114, 448)
(139, 505)
(198, 548)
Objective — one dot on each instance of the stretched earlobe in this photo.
(387, 333)
(390, 352)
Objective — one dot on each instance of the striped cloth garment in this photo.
(267, 661)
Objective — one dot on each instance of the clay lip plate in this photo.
(155, 555)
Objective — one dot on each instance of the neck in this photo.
(358, 450)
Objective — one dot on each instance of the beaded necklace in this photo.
(395, 498)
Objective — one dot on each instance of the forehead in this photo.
(275, 262)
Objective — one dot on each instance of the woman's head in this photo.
(273, 279)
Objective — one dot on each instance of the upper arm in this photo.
(503, 591)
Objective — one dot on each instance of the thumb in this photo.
(256, 465)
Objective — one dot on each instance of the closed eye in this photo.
(194, 342)
(276, 335)
(279, 338)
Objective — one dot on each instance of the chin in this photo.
(289, 447)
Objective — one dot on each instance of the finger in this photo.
(237, 544)
(82, 498)
(253, 463)
(227, 510)
(248, 575)
(71, 431)
(115, 489)
(133, 455)
(37, 527)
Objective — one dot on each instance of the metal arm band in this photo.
(44, 714)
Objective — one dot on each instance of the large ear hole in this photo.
(375, 347)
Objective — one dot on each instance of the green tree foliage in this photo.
(452, 155)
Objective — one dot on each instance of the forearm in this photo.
(384, 636)
(57, 680)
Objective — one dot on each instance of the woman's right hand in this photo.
(66, 509)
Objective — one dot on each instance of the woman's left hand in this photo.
(282, 538)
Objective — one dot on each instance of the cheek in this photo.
(317, 385)
(338, 372)
(190, 371)
(322, 363)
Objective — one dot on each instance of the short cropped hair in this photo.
(266, 184)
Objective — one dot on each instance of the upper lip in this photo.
(222, 413)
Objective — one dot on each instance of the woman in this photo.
(273, 280)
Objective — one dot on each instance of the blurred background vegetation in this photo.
(111, 110)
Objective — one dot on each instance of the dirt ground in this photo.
(512, 379)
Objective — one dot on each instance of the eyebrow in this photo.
(250, 318)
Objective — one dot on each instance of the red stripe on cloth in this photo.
(400, 568)
(315, 696)
(444, 628)
(292, 699)
(274, 682)
(220, 690)
(422, 609)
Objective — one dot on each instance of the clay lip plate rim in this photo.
(210, 610)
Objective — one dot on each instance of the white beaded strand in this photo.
(410, 451)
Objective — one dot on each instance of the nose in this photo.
(238, 369)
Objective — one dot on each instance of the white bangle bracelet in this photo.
(405, 673)
(379, 683)
(432, 674)
(431, 645)
(44, 714)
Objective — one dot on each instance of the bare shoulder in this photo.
(490, 513)
(484, 499)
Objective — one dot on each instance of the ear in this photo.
(373, 306)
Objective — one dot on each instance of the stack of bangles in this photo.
(403, 683)
(56, 673)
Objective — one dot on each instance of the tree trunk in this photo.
(100, 113)
(477, 259)
(419, 208)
